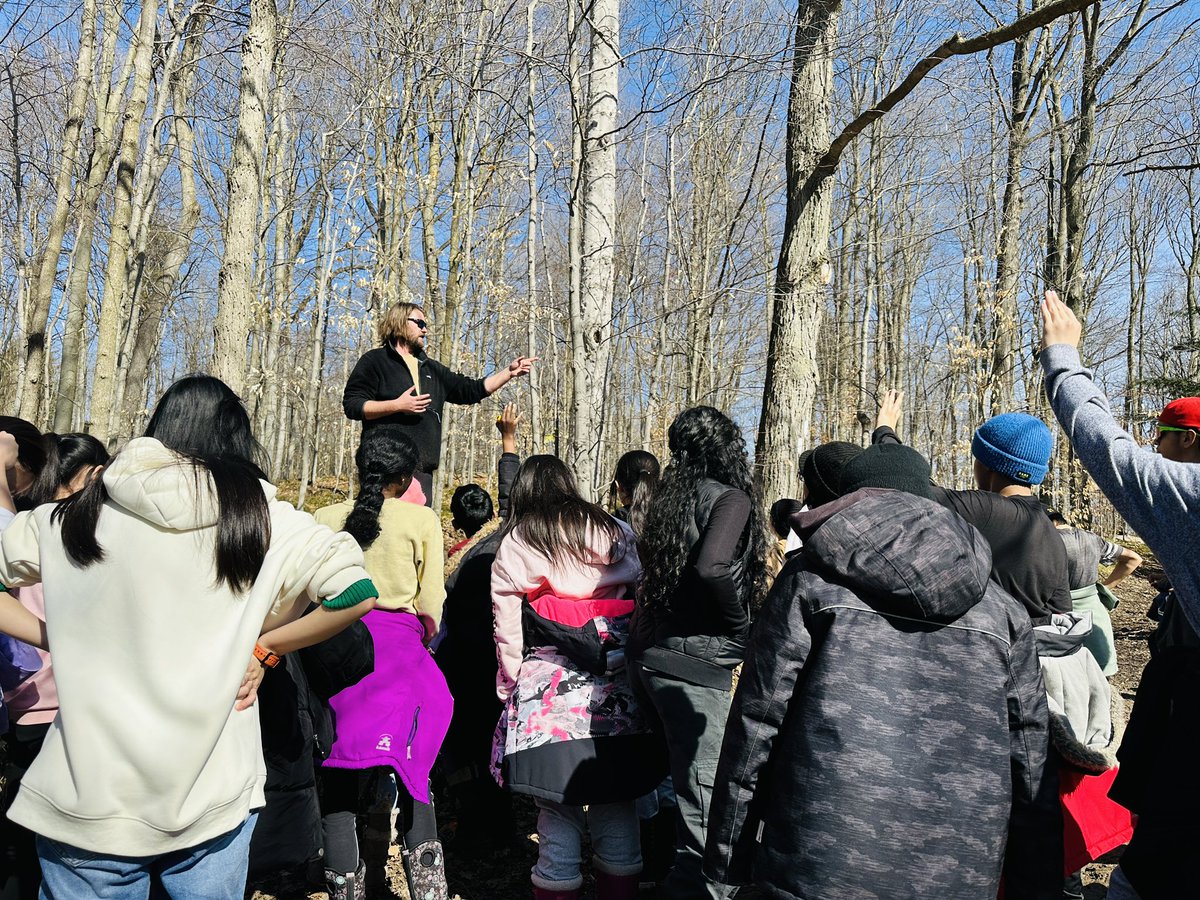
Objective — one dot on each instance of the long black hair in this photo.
(66, 456)
(385, 455)
(637, 474)
(704, 443)
(31, 453)
(202, 420)
(554, 519)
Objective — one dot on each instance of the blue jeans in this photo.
(1119, 887)
(612, 827)
(214, 870)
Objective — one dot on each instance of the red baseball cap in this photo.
(1181, 413)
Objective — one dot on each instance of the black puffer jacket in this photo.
(890, 732)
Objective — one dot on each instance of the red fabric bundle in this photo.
(1092, 823)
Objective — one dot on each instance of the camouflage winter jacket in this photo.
(889, 734)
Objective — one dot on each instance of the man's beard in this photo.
(412, 346)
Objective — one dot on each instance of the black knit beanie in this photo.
(822, 470)
(892, 466)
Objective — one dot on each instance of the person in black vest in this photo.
(703, 550)
(398, 384)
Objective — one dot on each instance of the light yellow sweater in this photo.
(406, 560)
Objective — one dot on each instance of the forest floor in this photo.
(504, 874)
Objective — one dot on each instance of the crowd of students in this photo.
(900, 693)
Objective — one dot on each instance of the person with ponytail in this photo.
(71, 462)
(394, 719)
(571, 735)
(170, 582)
(703, 548)
(632, 486)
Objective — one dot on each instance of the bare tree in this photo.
(804, 270)
(236, 282)
(591, 331)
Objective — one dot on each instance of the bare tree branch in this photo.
(955, 45)
(1181, 167)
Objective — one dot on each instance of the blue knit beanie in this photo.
(1016, 445)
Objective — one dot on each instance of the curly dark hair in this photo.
(704, 443)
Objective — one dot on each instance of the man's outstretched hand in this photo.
(521, 366)
(890, 409)
(1059, 325)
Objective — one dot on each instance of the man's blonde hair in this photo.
(395, 321)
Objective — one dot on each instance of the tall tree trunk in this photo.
(531, 239)
(39, 307)
(116, 270)
(151, 292)
(72, 376)
(803, 271)
(1023, 102)
(235, 283)
(591, 335)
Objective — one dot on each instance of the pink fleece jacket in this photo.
(610, 569)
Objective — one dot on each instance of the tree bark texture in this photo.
(235, 283)
(598, 199)
(803, 272)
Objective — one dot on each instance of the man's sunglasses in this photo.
(420, 323)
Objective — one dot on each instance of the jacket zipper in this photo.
(412, 732)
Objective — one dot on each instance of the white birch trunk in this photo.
(591, 335)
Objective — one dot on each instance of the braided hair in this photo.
(385, 456)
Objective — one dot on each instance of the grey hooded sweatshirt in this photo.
(889, 734)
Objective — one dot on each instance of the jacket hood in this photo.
(910, 556)
(164, 488)
(1063, 634)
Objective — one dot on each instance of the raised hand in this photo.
(412, 402)
(890, 410)
(1059, 325)
(507, 426)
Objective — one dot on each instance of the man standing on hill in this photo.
(1158, 495)
(398, 384)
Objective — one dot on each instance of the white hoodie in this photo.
(147, 754)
